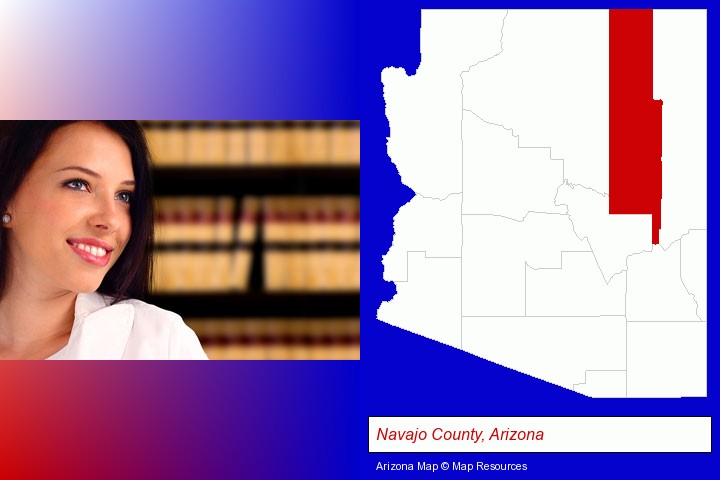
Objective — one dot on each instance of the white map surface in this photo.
(507, 250)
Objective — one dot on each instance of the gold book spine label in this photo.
(237, 147)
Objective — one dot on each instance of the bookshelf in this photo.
(267, 216)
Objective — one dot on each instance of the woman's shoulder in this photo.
(146, 314)
(152, 313)
(158, 333)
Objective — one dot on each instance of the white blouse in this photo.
(128, 330)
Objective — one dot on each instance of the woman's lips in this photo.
(91, 253)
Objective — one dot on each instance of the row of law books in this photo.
(193, 270)
(279, 339)
(224, 219)
(253, 143)
(302, 244)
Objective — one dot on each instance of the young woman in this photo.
(75, 246)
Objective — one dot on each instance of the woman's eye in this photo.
(80, 185)
(125, 197)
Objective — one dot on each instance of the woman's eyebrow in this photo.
(81, 169)
(92, 173)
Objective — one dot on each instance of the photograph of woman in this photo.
(75, 237)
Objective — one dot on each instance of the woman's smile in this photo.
(92, 250)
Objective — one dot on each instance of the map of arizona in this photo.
(558, 228)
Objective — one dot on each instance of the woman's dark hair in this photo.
(22, 142)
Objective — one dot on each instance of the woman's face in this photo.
(71, 215)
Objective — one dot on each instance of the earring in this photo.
(6, 218)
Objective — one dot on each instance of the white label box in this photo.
(540, 434)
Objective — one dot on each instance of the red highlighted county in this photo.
(635, 119)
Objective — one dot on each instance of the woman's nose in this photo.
(106, 214)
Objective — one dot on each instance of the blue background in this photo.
(271, 60)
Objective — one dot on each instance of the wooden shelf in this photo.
(273, 246)
(256, 180)
(260, 304)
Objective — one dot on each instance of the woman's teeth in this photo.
(96, 251)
